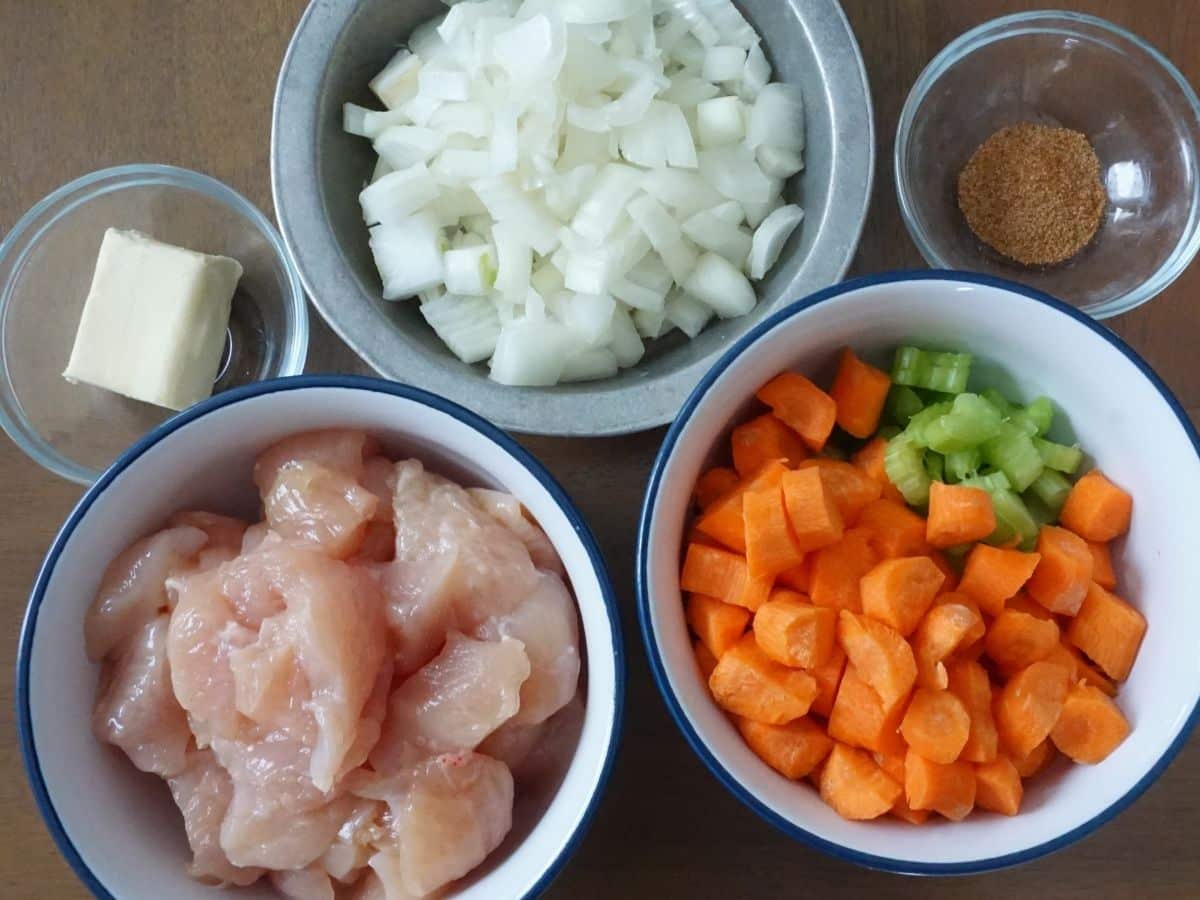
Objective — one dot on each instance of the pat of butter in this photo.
(153, 326)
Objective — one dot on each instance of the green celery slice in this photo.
(918, 423)
(905, 468)
(1012, 518)
(1012, 452)
(1058, 457)
(935, 466)
(971, 421)
(997, 400)
(962, 464)
(1051, 488)
(902, 404)
(910, 367)
(991, 482)
(1041, 411)
(948, 372)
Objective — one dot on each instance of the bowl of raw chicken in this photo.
(321, 638)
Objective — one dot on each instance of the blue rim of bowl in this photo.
(658, 670)
(135, 175)
(992, 31)
(29, 754)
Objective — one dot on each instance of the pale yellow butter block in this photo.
(153, 327)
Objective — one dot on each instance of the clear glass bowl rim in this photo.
(1048, 22)
(67, 198)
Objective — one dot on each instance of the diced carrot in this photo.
(943, 563)
(859, 391)
(723, 517)
(936, 725)
(713, 485)
(898, 592)
(998, 786)
(795, 633)
(1063, 573)
(850, 488)
(947, 789)
(1029, 704)
(969, 682)
(829, 679)
(870, 459)
(838, 569)
(761, 440)
(723, 575)
(1102, 566)
(958, 515)
(1091, 725)
(803, 406)
(992, 575)
(854, 785)
(880, 654)
(718, 624)
(815, 519)
(1035, 760)
(746, 682)
(793, 750)
(1017, 639)
(893, 765)
(945, 628)
(895, 529)
(1020, 602)
(860, 718)
(1096, 509)
(798, 578)
(696, 536)
(1109, 631)
(1081, 670)
(770, 545)
(704, 659)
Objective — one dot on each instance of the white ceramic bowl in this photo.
(116, 826)
(1125, 418)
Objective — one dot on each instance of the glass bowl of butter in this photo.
(128, 295)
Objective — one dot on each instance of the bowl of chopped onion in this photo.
(560, 214)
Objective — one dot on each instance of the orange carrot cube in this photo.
(793, 750)
(803, 406)
(770, 545)
(993, 575)
(1063, 572)
(1109, 631)
(958, 515)
(1096, 509)
(898, 592)
(880, 654)
(722, 519)
(713, 485)
(795, 633)
(718, 625)
(969, 682)
(761, 440)
(859, 392)
(860, 718)
(998, 786)
(1090, 727)
(894, 528)
(1029, 706)
(838, 569)
(815, 519)
(947, 789)
(746, 682)
(1017, 639)
(854, 785)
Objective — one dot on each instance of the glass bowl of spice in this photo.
(1057, 150)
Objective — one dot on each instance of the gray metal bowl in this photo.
(317, 172)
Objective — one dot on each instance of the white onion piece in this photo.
(624, 339)
(589, 364)
(532, 50)
(443, 83)
(769, 238)
(470, 270)
(698, 23)
(408, 255)
(382, 168)
(455, 205)
(354, 119)
(457, 167)
(684, 192)
(505, 149)
(402, 146)
(514, 260)
(756, 74)
(397, 195)
(530, 353)
(595, 12)
(723, 63)
(664, 235)
(589, 317)
(724, 18)
(720, 121)
(588, 269)
(546, 280)
(425, 41)
(469, 118)
(421, 108)
(651, 324)
(687, 91)
(611, 192)
(777, 118)
(635, 295)
(507, 202)
(757, 210)
(720, 285)
(778, 162)
(729, 211)
(689, 54)
(397, 83)
(677, 134)
(687, 313)
(717, 236)
(733, 171)
(469, 326)
(564, 193)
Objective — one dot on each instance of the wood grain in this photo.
(85, 85)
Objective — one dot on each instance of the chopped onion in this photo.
(733, 171)
(778, 162)
(664, 235)
(461, 118)
(687, 313)
(770, 237)
(443, 83)
(589, 317)
(712, 233)
(777, 118)
(756, 74)
(720, 121)
(722, 64)
(651, 324)
(730, 211)
(531, 353)
(514, 259)
(397, 195)
(533, 50)
(354, 119)
(684, 192)
(721, 286)
(397, 83)
(611, 192)
(624, 339)
(686, 91)
(408, 254)
(402, 146)
(470, 270)
(589, 364)
(469, 326)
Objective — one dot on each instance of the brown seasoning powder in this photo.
(1033, 193)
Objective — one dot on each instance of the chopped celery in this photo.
(948, 372)
(962, 464)
(971, 421)
(906, 470)
(1051, 488)
(1012, 519)
(935, 465)
(1058, 457)
(910, 367)
(902, 404)
(997, 400)
(1022, 421)
(1038, 511)
(1012, 452)
(1041, 411)
(992, 481)
(918, 423)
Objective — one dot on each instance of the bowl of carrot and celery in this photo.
(899, 586)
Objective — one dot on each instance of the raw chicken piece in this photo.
(455, 565)
(255, 535)
(225, 535)
(202, 636)
(370, 887)
(452, 703)
(449, 813)
(546, 623)
(132, 591)
(265, 675)
(348, 855)
(508, 511)
(341, 450)
(308, 502)
(379, 477)
(311, 883)
(202, 792)
(370, 723)
(136, 709)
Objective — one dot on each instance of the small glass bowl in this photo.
(46, 265)
(1079, 72)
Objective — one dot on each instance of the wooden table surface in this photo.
(85, 85)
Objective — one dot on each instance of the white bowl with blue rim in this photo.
(118, 827)
(1126, 419)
